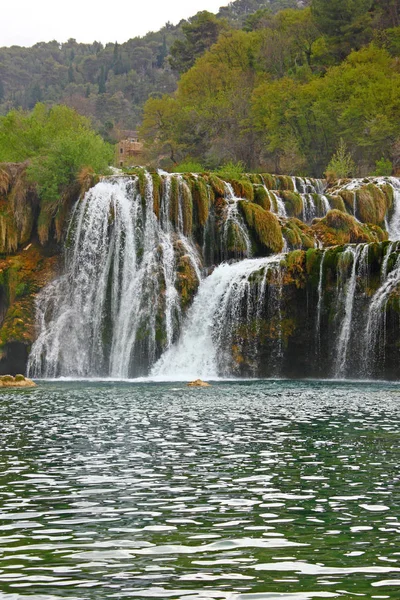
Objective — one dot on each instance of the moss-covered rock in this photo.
(243, 188)
(371, 204)
(264, 225)
(284, 182)
(157, 191)
(339, 228)
(201, 201)
(261, 197)
(336, 203)
(269, 181)
(217, 185)
(298, 235)
(293, 203)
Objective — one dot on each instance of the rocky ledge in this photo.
(19, 381)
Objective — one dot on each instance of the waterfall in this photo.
(375, 332)
(145, 289)
(277, 205)
(205, 346)
(347, 297)
(118, 302)
(319, 305)
(393, 226)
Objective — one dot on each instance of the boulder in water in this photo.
(19, 381)
(198, 383)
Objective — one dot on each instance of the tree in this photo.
(200, 33)
(334, 16)
(341, 164)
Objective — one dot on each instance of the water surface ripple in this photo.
(245, 490)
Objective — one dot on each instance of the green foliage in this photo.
(231, 170)
(57, 142)
(383, 167)
(200, 33)
(341, 164)
(189, 166)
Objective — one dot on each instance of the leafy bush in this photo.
(231, 170)
(189, 166)
(383, 168)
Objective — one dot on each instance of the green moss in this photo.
(235, 242)
(337, 203)
(264, 224)
(293, 203)
(255, 178)
(243, 189)
(186, 282)
(44, 225)
(312, 262)
(284, 182)
(339, 228)
(8, 230)
(157, 191)
(141, 175)
(19, 377)
(371, 204)
(261, 197)
(201, 201)
(217, 185)
(348, 199)
(295, 268)
(388, 190)
(7, 378)
(187, 208)
(269, 181)
(174, 201)
(297, 234)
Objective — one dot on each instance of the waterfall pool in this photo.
(245, 490)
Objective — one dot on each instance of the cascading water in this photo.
(205, 347)
(119, 289)
(127, 303)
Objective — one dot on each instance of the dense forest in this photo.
(110, 83)
(300, 92)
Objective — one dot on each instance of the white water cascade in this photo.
(202, 351)
(120, 283)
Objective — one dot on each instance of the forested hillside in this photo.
(300, 92)
(109, 83)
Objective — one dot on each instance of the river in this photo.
(244, 490)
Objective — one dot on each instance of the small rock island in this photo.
(19, 381)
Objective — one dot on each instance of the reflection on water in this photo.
(250, 490)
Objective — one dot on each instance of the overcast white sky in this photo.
(25, 22)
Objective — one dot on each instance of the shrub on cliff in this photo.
(60, 150)
(57, 142)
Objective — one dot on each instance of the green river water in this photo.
(245, 490)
